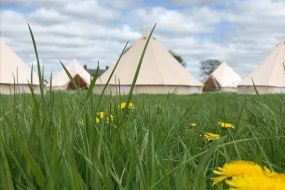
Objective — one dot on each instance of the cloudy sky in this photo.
(240, 32)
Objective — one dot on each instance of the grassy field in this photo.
(76, 140)
(55, 142)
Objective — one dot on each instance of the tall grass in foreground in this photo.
(62, 147)
(54, 141)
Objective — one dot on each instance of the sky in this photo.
(240, 32)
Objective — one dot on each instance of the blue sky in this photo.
(241, 33)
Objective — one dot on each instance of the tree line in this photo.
(206, 66)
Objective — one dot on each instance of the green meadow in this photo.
(54, 141)
(78, 140)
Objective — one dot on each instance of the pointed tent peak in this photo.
(282, 42)
(146, 34)
(223, 66)
(76, 70)
(226, 76)
(220, 67)
(158, 69)
(73, 62)
(224, 63)
(74, 67)
(13, 68)
(270, 73)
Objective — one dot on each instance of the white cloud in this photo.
(90, 10)
(175, 23)
(47, 16)
(239, 32)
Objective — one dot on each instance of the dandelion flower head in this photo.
(257, 181)
(81, 122)
(236, 168)
(124, 105)
(211, 136)
(103, 116)
(226, 125)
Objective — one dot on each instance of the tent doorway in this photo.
(211, 84)
(80, 83)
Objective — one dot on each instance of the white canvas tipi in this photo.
(82, 78)
(160, 72)
(269, 77)
(15, 75)
(224, 79)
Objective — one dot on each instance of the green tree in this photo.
(208, 66)
(178, 58)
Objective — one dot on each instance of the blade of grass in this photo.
(38, 63)
(32, 70)
(113, 71)
(6, 174)
(50, 81)
(254, 86)
(202, 165)
(11, 157)
(75, 176)
(154, 186)
(92, 84)
(27, 154)
(70, 77)
(138, 70)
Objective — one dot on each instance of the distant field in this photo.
(57, 143)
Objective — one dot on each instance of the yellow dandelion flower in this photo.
(211, 136)
(109, 118)
(100, 116)
(193, 125)
(81, 122)
(257, 181)
(103, 116)
(277, 175)
(124, 105)
(226, 125)
(236, 168)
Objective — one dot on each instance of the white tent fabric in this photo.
(61, 81)
(269, 77)
(13, 70)
(160, 72)
(224, 78)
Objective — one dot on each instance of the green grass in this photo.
(52, 140)
(153, 147)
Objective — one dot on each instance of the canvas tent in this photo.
(160, 72)
(82, 78)
(223, 79)
(15, 75)
(269, 77)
